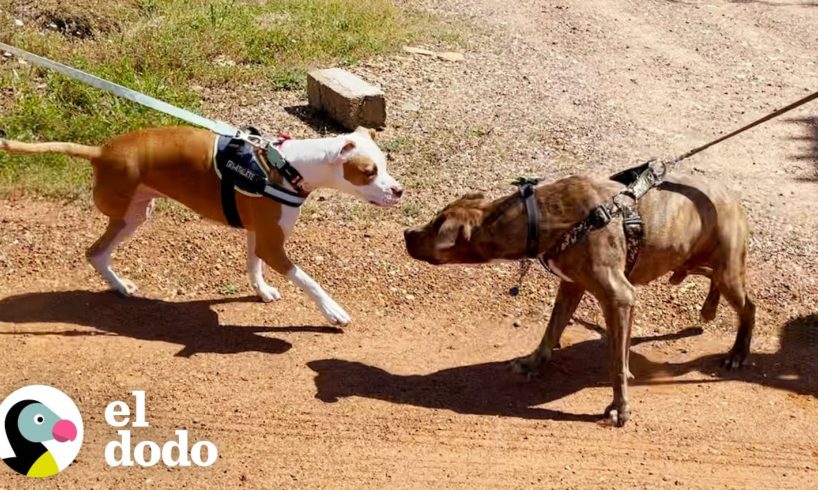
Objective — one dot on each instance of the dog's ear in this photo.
(367, 131)
(347, 149)
(449, 231)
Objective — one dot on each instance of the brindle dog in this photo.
(691, 226)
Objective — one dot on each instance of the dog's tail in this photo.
(72, 149)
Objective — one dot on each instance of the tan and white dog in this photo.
(177, 162)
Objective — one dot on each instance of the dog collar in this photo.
(276, 160)
(270, 152)
(532, 211)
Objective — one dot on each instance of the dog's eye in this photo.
(371, 171)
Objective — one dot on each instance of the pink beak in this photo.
(64, 430)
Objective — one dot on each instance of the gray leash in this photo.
(217, 127)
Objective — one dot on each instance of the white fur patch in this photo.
(331, 310)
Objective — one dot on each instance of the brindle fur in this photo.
(692, 226)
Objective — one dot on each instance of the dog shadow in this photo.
(809, 141)
(191, 324)
(793, 368)
(492, 389)
(481, 389)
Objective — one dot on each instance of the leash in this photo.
(638, 181)
(773, 115)
(217, 127)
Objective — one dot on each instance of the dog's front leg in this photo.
(331, 310)
(619, 317)
(255, 268)
(569, 295)
(271, 249)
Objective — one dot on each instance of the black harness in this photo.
(638, 181)
(242, 164)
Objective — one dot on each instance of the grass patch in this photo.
(173, 50)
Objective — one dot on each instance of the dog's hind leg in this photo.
(255, 268)
(569, 295)
(121, 225)
(731, 283)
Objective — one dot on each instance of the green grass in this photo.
(173, 50)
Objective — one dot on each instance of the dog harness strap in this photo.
(229, 207)
(228, 194)
(634, 232)
(293, 177)
(243, 167)
(639, 180)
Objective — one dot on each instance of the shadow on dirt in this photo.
(191, 324)
(492, 389)
(809, 139)
(794, 367)
(316, 120)
(479, 389)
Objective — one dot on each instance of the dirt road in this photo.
(416, 391)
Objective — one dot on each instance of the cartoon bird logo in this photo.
(39, 442)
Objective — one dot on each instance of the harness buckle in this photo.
(600, 216)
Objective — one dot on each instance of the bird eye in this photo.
(39, 419)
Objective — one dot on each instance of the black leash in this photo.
(798, 103)
(638, 181)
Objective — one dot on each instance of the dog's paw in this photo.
(617, 414)
(125, 288)
(735, 358)
(528, 365)
(267, 293)
(335, 314)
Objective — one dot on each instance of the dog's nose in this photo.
(397, 190)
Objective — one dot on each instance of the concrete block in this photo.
(346, 98)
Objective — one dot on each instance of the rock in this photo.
(346, 98)
(18, 22)
(422, 51)
(451, 56)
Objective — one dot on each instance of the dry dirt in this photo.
(416, 391)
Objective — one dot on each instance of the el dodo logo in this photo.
(146, 453)
(41, 431)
